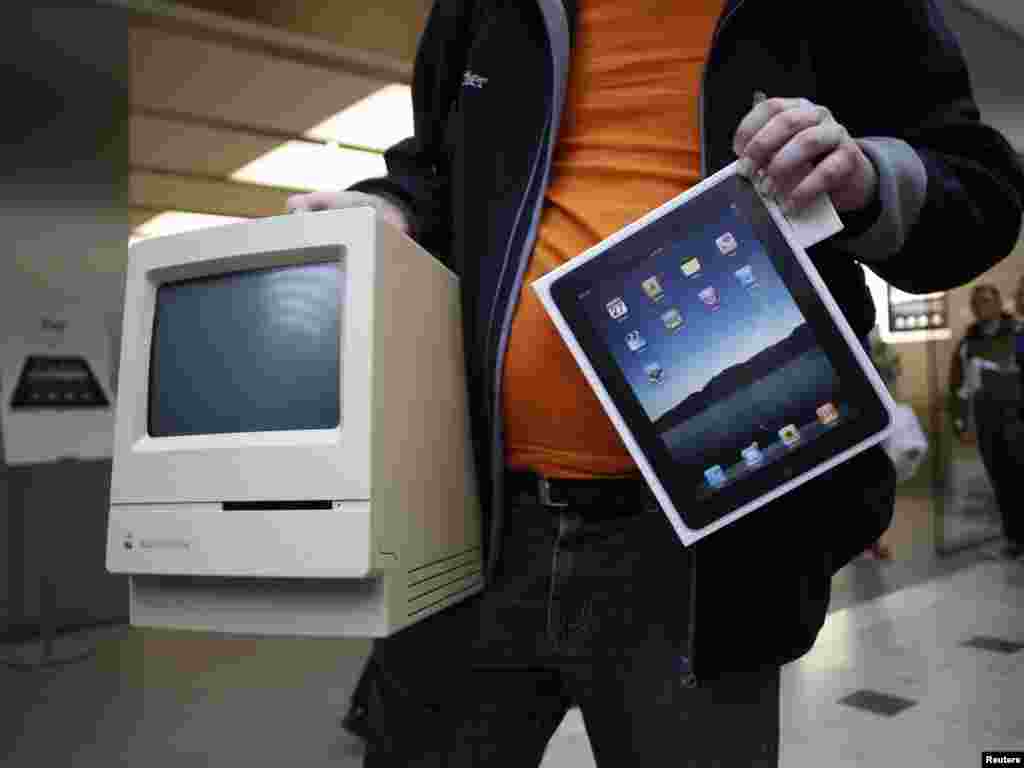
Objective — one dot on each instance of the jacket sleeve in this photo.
(951, 187)
(419, 168)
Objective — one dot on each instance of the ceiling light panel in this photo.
(176, 73)
(381, 119)
(310, 166)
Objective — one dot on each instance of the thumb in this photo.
(296, 203)
(309, 201)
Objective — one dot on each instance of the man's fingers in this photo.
(312, 201)
(837, 174)
(324, 201)
(779, 187)
(827, 175)
(756, 119)
(795, 151)
(800, 157)
(803, 147)
(785, 127)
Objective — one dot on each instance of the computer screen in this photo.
(707, 334)
(247, 351)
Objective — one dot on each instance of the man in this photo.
(982, 380)
(541, 128)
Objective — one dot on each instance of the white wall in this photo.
(1009, 13)
(995, 58)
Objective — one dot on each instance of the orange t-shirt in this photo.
(629, 141)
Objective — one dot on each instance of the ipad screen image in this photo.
(716, 351)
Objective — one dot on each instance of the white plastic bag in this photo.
(907, 445)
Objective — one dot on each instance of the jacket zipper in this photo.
(497, 443)
(543, 164)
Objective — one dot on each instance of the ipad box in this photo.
(718, 353)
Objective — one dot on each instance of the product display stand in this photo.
(48, 650)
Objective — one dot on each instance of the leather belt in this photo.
(627, 495)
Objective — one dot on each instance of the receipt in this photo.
(815, 222)
(808, 225)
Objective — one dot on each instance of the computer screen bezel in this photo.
(287, 464)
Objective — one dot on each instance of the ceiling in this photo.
(216, 84)
(210, 93)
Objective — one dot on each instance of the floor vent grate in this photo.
(877, 702)
(997, 644)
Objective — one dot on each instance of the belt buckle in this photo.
(544, 494)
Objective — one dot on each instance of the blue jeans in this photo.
(584, 612)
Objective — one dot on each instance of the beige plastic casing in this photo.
(400, 539)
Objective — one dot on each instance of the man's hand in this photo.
(795, 150)
(323, 201)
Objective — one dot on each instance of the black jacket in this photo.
(489, 86)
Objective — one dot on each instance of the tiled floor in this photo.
(907, 645)
(905, 630)
(972, 514)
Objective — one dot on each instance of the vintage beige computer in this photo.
(291, 450)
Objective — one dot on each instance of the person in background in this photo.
(980, 407)
(1015, 421)
(542, 127)
(1019, 307)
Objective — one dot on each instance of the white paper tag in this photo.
(815, 222)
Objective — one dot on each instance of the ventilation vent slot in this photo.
(442, 581)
